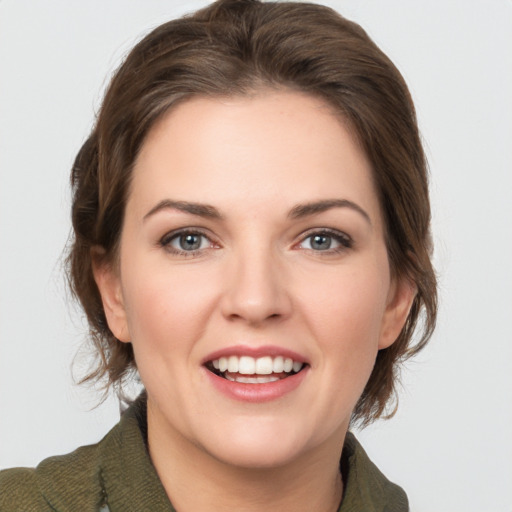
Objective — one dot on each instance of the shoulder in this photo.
(117, 471)
(57, 483)
(19, 491)
(366, 488)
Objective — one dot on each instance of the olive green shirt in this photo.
(116, 475)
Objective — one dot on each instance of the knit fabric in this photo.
(116, 475)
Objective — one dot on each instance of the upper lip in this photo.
(256, 352)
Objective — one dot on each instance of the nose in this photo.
(256, 288)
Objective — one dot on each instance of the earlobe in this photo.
(109, 285)
(400, 300)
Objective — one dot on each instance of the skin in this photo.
(256, 280)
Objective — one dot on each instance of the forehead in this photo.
(274, 147)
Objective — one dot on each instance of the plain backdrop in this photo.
(450, 444)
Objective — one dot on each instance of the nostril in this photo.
(254, 317)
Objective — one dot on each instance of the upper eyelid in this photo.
(328, 231)
(180, 231)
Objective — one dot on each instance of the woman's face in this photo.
(253, 240)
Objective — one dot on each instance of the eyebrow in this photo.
(305, 210)
(199, 209)
(297, 212)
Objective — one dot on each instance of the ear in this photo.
(401, 296)
(108, 282)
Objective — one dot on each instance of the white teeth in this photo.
(247, 365)
(233, 364)
(223, 364)
(278, 364)
(251, 380)
(264, 365)
(268, 378)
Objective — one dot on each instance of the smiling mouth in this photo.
(250, 370)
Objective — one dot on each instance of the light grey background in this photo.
(450, 445)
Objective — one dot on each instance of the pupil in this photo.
(321, 242)
(190, 242)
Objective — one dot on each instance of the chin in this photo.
(256, 457)
(259, 445)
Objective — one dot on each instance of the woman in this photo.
(251, 223)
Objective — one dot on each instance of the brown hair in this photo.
(234, 47)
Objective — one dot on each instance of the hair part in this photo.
(237, 48)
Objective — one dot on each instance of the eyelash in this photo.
(345, 242)
(166, 240)
(343, 239)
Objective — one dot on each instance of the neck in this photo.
(195, 480)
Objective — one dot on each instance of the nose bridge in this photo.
(256, 288)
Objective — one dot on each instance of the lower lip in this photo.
(257, 392)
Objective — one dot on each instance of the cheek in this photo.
(165, 309)
(347, 318)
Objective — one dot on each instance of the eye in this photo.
(326, 241)
(186, 242)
